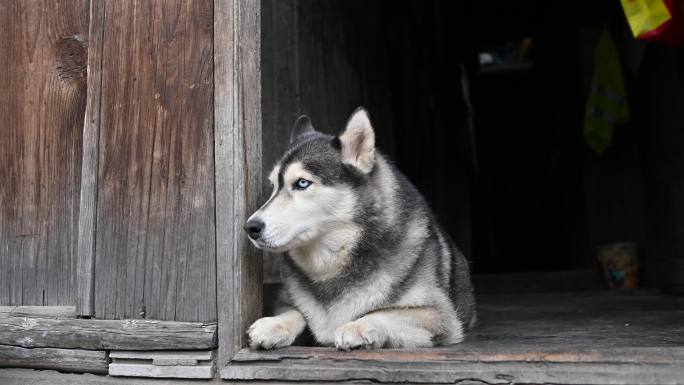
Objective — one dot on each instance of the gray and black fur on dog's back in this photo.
(367, 264)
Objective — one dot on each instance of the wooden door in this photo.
(148, 173)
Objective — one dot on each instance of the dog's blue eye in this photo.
(302, 184)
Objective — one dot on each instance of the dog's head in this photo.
(314, 184)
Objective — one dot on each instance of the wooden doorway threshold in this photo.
(562, 338)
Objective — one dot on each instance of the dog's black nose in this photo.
(253, 228)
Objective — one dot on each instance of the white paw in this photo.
(270, 333)
(358, 334)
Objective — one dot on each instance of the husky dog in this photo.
(367, 265)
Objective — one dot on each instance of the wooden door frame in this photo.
(238, 170)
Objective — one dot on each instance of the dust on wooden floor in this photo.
(567, 325)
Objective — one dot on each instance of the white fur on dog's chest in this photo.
(324, 319)
(323, 322)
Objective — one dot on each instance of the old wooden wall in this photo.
(155, 237)
(427, 42)
(42, 102)
(323, 59)
(657, 99)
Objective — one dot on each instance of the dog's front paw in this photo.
(270, 333)
(358, 334)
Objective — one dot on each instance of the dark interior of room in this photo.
(520, 189)
(512, 179)
(523, 191)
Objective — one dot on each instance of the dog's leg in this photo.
(397, 328)
(278, 331)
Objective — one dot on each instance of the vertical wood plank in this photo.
(280, 101)
(85, 276)
(341, 63)
(425, 91)
(155, 254)
(42, 102)
(237, 119)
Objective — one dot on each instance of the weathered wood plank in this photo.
(106, 334)
(432, 372)
(179, 364)
(238, 166)
(167, 355)
(68, 360)
(87, 216)
(155, 202)
(472, 353)
(149, 370)
(43, 77)
(43, 311)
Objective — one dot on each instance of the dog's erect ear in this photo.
(358, 141)
(301, 128)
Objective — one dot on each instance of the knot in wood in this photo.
(129, 324)
(73, 60)
(28, 323)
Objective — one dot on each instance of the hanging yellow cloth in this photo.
(607, 103)
(645, 16)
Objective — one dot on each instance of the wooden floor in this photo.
(576, 326)
(565, 338)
